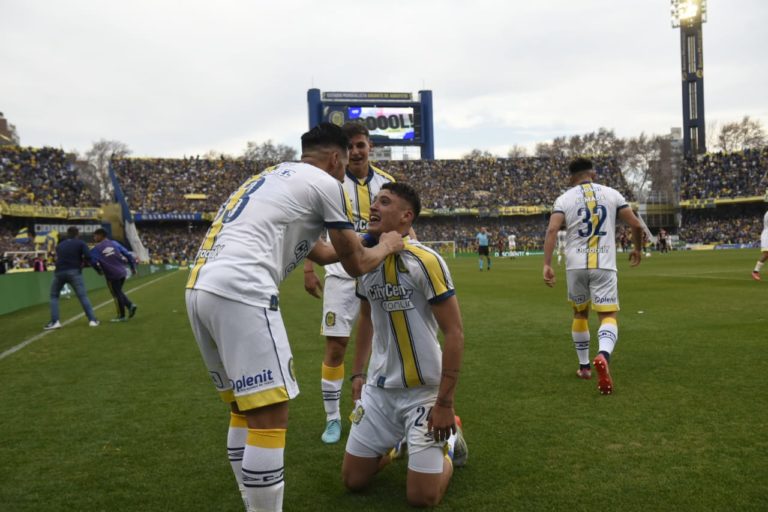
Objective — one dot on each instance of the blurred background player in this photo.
(589, 211)
(763, 248)
(260, 234)
(108, 257)
(512, 244)
(71, 256)
(483, 247)
(410, 385)
(341, 306)
(561, 236)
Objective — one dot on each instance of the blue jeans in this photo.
(75, 279)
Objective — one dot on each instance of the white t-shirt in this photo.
(405, 351)
(511, 239)
(361, 194)
(590, 219)
(265, 229)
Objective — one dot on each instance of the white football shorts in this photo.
(764, 241)
(385, 416)
(596, 286)
(245, 349)
(340, 306)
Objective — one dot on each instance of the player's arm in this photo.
(448, 316)
(312, 283)
(127, 255)
(94, 258)
(358, 260)
(550, 239)
(363, 342)
(628, 216)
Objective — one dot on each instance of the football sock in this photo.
(238, 431)
(580, 335)
(758, 266)
(332, 379)
(263, 468)
(480, 261)
(607, 336)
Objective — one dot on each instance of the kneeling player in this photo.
(410, 385)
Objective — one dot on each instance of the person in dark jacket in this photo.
(71, 255)
(108, 257)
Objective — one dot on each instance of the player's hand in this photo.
(441, 422)
(549, 276)
(312, 284)
(635, 257)
(357, 389)
(393, 241)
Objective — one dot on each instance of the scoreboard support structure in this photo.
(393, 118)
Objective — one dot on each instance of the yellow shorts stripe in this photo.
(262, 398)
(606, 308)
(266, 438)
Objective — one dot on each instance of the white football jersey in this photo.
(590, 219)
(361, 194)
(405, 351)
(265, 229)
(765, 223)
(511, 239)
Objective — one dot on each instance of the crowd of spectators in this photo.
(41, 176)
(172, 242)
(725, 175)
(741, 226)
(160, 185)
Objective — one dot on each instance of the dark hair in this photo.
(580, 164)
(353, 128)
(324, 135)
(407, 192)
(72, 231)
(101, 232)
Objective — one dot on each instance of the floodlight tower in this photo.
(689, 15)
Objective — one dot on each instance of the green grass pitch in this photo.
(123, 418)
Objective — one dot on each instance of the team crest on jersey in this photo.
(330, 319)
(356, 416)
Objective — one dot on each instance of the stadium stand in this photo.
(461, 194)
(41, 176)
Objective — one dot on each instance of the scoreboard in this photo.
(392, 118)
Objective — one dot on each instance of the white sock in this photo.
(236, 436)
(759, 266)
(263, 468)
(580, 335)
(608, 335)
(331, 382)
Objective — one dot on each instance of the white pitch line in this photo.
(699, 276)
(36, 337)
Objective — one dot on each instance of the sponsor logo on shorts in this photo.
(248, 382)
(578, 299)
(217, 380)
(604, 300)
(356, 416)
(330, 319)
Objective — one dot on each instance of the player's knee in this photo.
(335, 349)
(353, 481)
(423, 497)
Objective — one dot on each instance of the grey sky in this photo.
(171, 78)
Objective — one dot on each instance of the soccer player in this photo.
(71, 255)
(362, 182)
(483, 247)
(561, 236)
(109, 257)
(589, 211)
(410, 384)
(512, 243)
(763, 248)
(260, 234)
